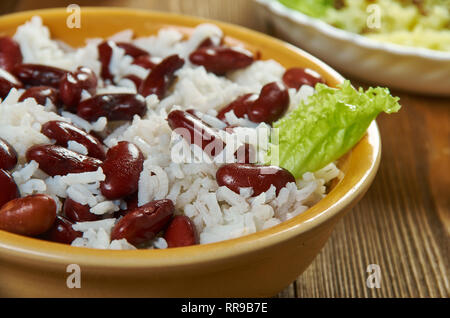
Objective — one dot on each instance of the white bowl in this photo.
(416, 70)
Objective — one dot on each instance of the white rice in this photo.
(217, 212)
(105, 207)
(160, 243)
(77, 147)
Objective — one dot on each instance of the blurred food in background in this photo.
(418, 23)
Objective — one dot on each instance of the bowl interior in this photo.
(359, 165)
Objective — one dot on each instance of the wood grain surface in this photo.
(403, 222)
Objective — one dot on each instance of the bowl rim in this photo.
(355, 38)
(31, 249)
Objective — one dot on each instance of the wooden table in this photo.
(402, 224)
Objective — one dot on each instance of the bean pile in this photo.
(36, 215)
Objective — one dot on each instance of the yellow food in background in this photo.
(418, 23)
(419, 38)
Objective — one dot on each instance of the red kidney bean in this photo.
(239, 106)
(8, 155)
(195, 113)
(39, 75)
(161, 77)
(40, 94)
(62, 231)
(73, 84)
(10, 54)
(195, 131)
(104, 54)
(56, 160)
(205, 43)
(272, 103)
(144, 61)
(296, 77)
(112, 106)
(208, 42)
(135, 79)
(181, 232)
(9, 190)
(122, 168)
(142, 224)
(8, 82)
(63, 132)
(132, 50)
(221, 59)
(77, 212)
(236, 175)
(32, 215)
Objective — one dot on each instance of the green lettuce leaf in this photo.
(313, 8)
(326, 126)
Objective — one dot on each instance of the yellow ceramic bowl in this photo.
(259, 264)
